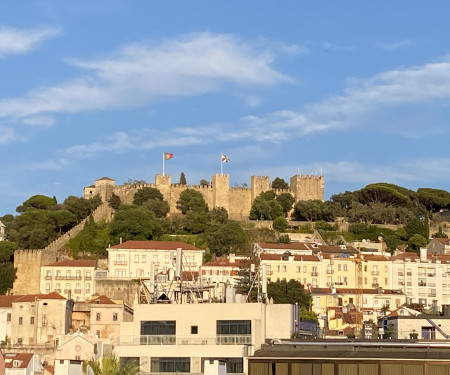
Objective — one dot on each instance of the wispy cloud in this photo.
(7, 135)
(392, 46)
(338, 47)
(18, 41)
(193, 65)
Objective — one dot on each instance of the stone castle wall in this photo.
(237, 201)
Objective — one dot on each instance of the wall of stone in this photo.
(240, 203)
(126, 290)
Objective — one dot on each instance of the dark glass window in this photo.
(194, 330)
(175, 364)
(234, 365)
(158, 327)
(234, 327)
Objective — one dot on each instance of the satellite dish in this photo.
(89, 370)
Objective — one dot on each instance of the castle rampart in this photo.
(236, 200)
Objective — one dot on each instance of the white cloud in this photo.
(7, 135)
(18, 41)
(392, 46)
(193, 65)
(42, 121)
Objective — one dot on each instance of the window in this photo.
(298, 269)
(78, 275)
(19, 341)
(158, 327)
(345, 267)
(97, 317)
(136, 259)
(284, 268)
(78, 288)
(88, 275)
(68, 274)
(155, 259)
(97, 333)
(317, 301)
(20, 320)
(166, 259)
(32, 320)
(345, 280)
(174, 364)
(304, 269)
(47, 287)
(8, 317)
(44, 320)
(48, 274)
(115, 317)
(144, 259)
(339, 267)
(88, 287)
(140, 273)
(194, 330)
(234, 327)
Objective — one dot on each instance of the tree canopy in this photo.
(291, 292)
(279, 183)
(37, 202)
(191, 199)
(145, 194)
(265, 207)
(183, 179)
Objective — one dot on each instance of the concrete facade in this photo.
(195, 334)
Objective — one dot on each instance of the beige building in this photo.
(77, 346)
(106, 317)
(141, 259)
(22, 364)
(180, 337)
(373, 301)
(2, 231)
(6, 317)
(73, 279)
(40, 319)
(223, 270)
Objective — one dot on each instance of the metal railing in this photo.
(174, 340)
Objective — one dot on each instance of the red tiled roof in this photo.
(289, 246)
(6, 301)
(443, 241)
(50, 369)
(11, 357)
(33, 297)
(224, 261)
(103, 300)
(297, 258)
(73, 263)
(154, 245)
(406, 255)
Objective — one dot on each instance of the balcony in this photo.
(330, 272)
(431, 274)
(375, 273)
(77, 291)
(375, 285)
(269, 272)
(422, 283)
(59, 277)
(174, 340)
(88, 278)
(431, 294)
(314, 273)
(67, 291)
(48, 277)
(120, 262)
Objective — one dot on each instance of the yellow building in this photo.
(73, 279)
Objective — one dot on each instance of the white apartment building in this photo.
(6, 317)
(181, 337)
(138, 259)
(73, 279)
(425, 279)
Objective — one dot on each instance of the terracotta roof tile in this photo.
(33, 297)
(103, 300)
(105, 178)
(444, 241)
(154, 245)
(25, 358)
(224, 262)
(297, 258)
(73, 263)
(6, 301)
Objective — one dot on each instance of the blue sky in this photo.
(357, 90)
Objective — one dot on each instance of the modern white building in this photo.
(181, 337)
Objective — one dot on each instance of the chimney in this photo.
(423, 254)
(232, 258)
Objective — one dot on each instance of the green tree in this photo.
(280, 224)
(279, 183)
(291, 292)
(37, 202)
(7, 276)
(286, 200)
(284, 238)
(145, 194)
(191, 199)
(158, 207)
(227, 238)
(81, 207)
(183, 179)
(313, 210)
(6, 251)
(416, 242)
(133, 223)
(440, 233)
(204, 182)
(434, 199)
(63, 220)
(265, 207)
(195, 221)
(33, 229)
(416, 226)
(114, 202)
(111, 365)
(389, 194)
(218, 216)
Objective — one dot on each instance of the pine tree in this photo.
(182, 179)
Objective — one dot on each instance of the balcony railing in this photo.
(120, 262)
(67, 290)
(375, 285)
(48, 277)
(174, 340)
(422, 283)
(59, 277)
(330, 272)
(375, 273)
(314, 273)
(431, 274)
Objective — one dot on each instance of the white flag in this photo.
(225, 159)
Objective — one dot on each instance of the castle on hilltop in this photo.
(236, 200)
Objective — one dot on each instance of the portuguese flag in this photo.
(168, 155)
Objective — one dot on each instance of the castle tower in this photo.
(221, 191)
(105, 188)
(258, 185)
(307, 187)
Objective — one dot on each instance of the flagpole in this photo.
(221, 165)
(163, 164)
